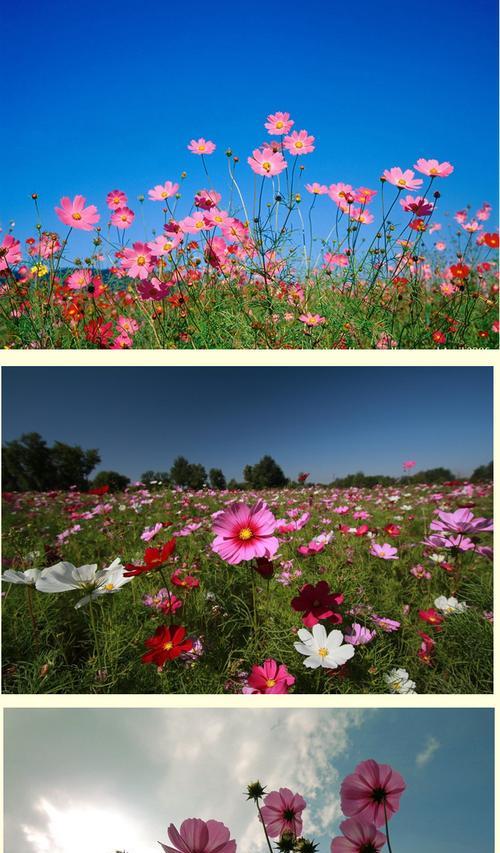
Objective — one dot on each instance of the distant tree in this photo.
(72, 465)
(433, 475)
(29, 464)
(153, 479)
(180, 471)
(265, 474)
(234, 486)
(116, 482)
(217, 479)
(483, 473)
(197, 477)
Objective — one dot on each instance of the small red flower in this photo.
(264, 567)
(318, 602)
(460, 270)
(167, 643)
(102, 490)
(392, 529)
(439, 337)
(154, 558)
(491, 240)
(186, 581)
(432, 617)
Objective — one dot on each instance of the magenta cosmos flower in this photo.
(116, 199)
(122, 217)
(371, 792)
(11, 252)
(267, 162)
(282, 812)
(244, 532)
(358, 837)
(461, 521)
(199, 836)
(137, 260)
(271, 677)
(76, 215)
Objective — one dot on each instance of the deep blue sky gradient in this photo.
(329, 421)
(101, 96)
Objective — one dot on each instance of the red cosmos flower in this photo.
(439, 337)
(318, 602)
(426, 650)
(98, 332)
(392, 529)
(167, 643)
(432, 617)
(188, 581)
(491, 240)
(102, 490)
(264, 567)
(460, 270)
(154, 558)
(362, 530)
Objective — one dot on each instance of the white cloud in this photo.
(428, 751)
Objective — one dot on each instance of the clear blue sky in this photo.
(107, 95)
(329, 421)
(114, 779)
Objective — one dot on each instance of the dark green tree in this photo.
(29, 464)
(180, 471)
(482, 474)
(197, 476)
(72, 464)
(116, 482)
(217, 479)
(266, 474)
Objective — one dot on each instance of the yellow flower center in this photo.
(168, 646)
(433, 171)
(109, 586)
(201, 147)
(266, 166)
(299, 144)
(164, 194)
(270, 682)
(245, 534)
(123, 217)
(402, 182)
(141, 260)
(116, 200)
(323, 652)
(200, 224)
(76, 216)
(279, 125)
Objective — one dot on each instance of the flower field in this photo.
(293, 263)
(307, 590)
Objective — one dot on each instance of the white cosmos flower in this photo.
(449, 605)
(64, 577)
(322, 649)
(29, 577)
(398, 681)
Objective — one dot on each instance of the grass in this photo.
(98, 649)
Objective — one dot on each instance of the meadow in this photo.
(392, 269)
(306, 590)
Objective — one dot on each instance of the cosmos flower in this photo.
(167, 643)
(385, 551)
(322, 649)
(318, 602)
(299, 142)
(403, 180)
(267, 162)
(282, 812)
(278, 124)
(358, 837)
(199, 836)
(372, 792)
(270, 677)
(243, 533)
(398, 681)
(201, 146)
(433, 168)
(160, 192)
(76, 215)
(116, 199)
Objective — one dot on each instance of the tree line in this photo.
(29, 464)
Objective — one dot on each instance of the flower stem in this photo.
(264, 827)
(387, 829)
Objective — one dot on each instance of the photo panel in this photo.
(246, 530)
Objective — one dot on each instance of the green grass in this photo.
(59, 653)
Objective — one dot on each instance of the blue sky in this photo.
(329, 421)
(80, 780)
(107, 95)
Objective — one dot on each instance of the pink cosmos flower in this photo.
(358, 837)
(432, 168)
(317, 189)
(150, 532)
(267, 162)
(340, 193)
(137, 261)
(199, 836)
(12, 252)
(404, 180)
(360, 215)
(410, 463)
(420, 571)
(193, 224)
(201, 146)
(123, 217)
(371, 792)
(207, 199)
(244, 532)
(312, 319)
(271, 677)
(116, 199)
(278, 124)
(385, 551)
(363, 195)
(359, 635)
(336, 260)
(385, 624)
(76, 215)
(461, 521)
(164, 244)
(162, 191)
(299, 142)
(282, 812)
(79, 279)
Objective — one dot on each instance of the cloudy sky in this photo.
(100, 781)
